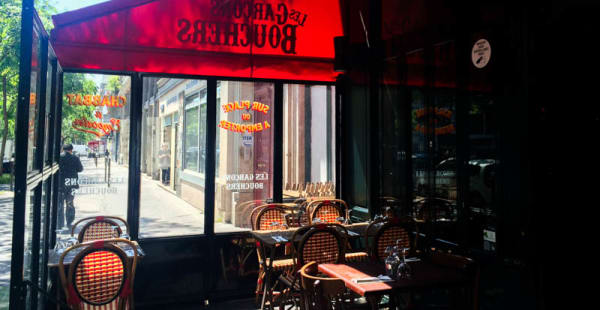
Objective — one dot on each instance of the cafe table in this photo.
(54, 257)
(425, 275)
(269, 240)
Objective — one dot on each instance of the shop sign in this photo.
(242, 182)
(97, 100)
(245, 107)
(272, 25)
(481, 53)
(97, 128)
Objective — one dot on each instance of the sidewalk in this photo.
(162, 213)
(6, 213)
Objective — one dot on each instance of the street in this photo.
(6, 212)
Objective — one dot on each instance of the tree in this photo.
(10, 40)
(76, 83)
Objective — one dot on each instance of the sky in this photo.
(70, 5)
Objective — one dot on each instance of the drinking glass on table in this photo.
(404, 270)
(71, 241)
(59, 245)
(391, 261)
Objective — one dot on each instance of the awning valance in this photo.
(272, 39)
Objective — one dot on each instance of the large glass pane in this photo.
(28, 246)
(444, 135)
(95, 123)
(173, 157)
(394, 122)
(244, 151)
(34, 101)
(49, 94)
(481, 194)
(420, 142)
(44, 213)
(308, 141)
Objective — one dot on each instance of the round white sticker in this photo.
(481, 53)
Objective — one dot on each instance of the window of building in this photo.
(172, 157)
(191, 133)
(308, 141)
(245, 149)
(34, 102)
(93, 176)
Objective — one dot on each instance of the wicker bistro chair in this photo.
(328, 210)
(100, 276)
(321, 243)
(388, 233)
(271, 217)
(99, 228)
(319, 292)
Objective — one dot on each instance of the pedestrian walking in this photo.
(69, 167)
(164, 157)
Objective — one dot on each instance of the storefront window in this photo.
(34, 102)
(49, 94)
(28, 247)
(434, 155)
(93, 168)
(308, 141)
(172, 157)
(244, 151)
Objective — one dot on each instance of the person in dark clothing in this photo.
(69, 167)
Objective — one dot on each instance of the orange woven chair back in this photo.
(100, 276)
(271, 217)
(321, 243)
(99, 228)
(387, 236)
(318, 292)
(329, 211)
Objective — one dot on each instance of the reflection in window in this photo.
(34, 101)
(172, 161)
(308, 141)
(93, 174)
(482, 155)
(434, 156)
(49, 94)
(245, 149)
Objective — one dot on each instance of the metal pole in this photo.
(108, 179)
(17, 298)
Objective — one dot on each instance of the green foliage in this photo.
(76, 83)
(10, 40)
(114, 84)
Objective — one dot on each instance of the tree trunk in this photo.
(5, 129)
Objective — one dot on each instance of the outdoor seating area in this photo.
(287, 252)
(285, 154)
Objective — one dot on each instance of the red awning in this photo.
(273, 39)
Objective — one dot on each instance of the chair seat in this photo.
(357, 257)
(282, 264)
